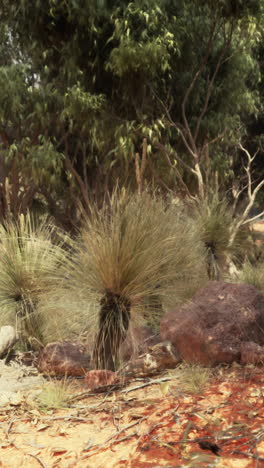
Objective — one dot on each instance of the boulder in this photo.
(64, 358)
(8, 338)
(252, 353)
(213, 326)
(100, 378)
(159, 357)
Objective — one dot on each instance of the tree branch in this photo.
(79, 181)
(191, 86)
(166, 154)
(211, 83)
(251, 193)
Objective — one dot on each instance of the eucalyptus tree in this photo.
(88, 81)
(205, 88)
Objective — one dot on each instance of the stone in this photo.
(64, 358)
(252, 353)
(10, 398)
(137, 342)
(212, 327)
(8, 338)
(100, 378)
(159, 357)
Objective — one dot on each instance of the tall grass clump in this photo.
(193, 378)
(132, 251)
(214, 223)
(55, 395)
(29, 264)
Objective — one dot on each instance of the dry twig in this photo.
(146, 384)
(38, 459)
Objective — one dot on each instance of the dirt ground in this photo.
(149, 422)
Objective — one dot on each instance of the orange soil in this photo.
(143, 428)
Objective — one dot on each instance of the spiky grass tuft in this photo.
(193, 378)
(132, 249)
(55, 395)
(29, 265)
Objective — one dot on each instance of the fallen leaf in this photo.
(58, 450)
(42, 427)
(164, 388)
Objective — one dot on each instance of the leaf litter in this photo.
(153, 423)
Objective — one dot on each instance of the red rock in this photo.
(100, 378)
(160, 357)
(252, 353)
(212, 327)
(64, 358)
(137, 342)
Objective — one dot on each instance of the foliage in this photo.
(30, 265)
(82, 83)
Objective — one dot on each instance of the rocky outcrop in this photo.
(216, 324)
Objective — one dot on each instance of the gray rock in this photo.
(8, 338)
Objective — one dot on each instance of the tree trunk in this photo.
(113, 325)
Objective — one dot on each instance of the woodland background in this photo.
(95, 93)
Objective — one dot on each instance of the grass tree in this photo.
(131, 250)
(29, 265)
(214, 222)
